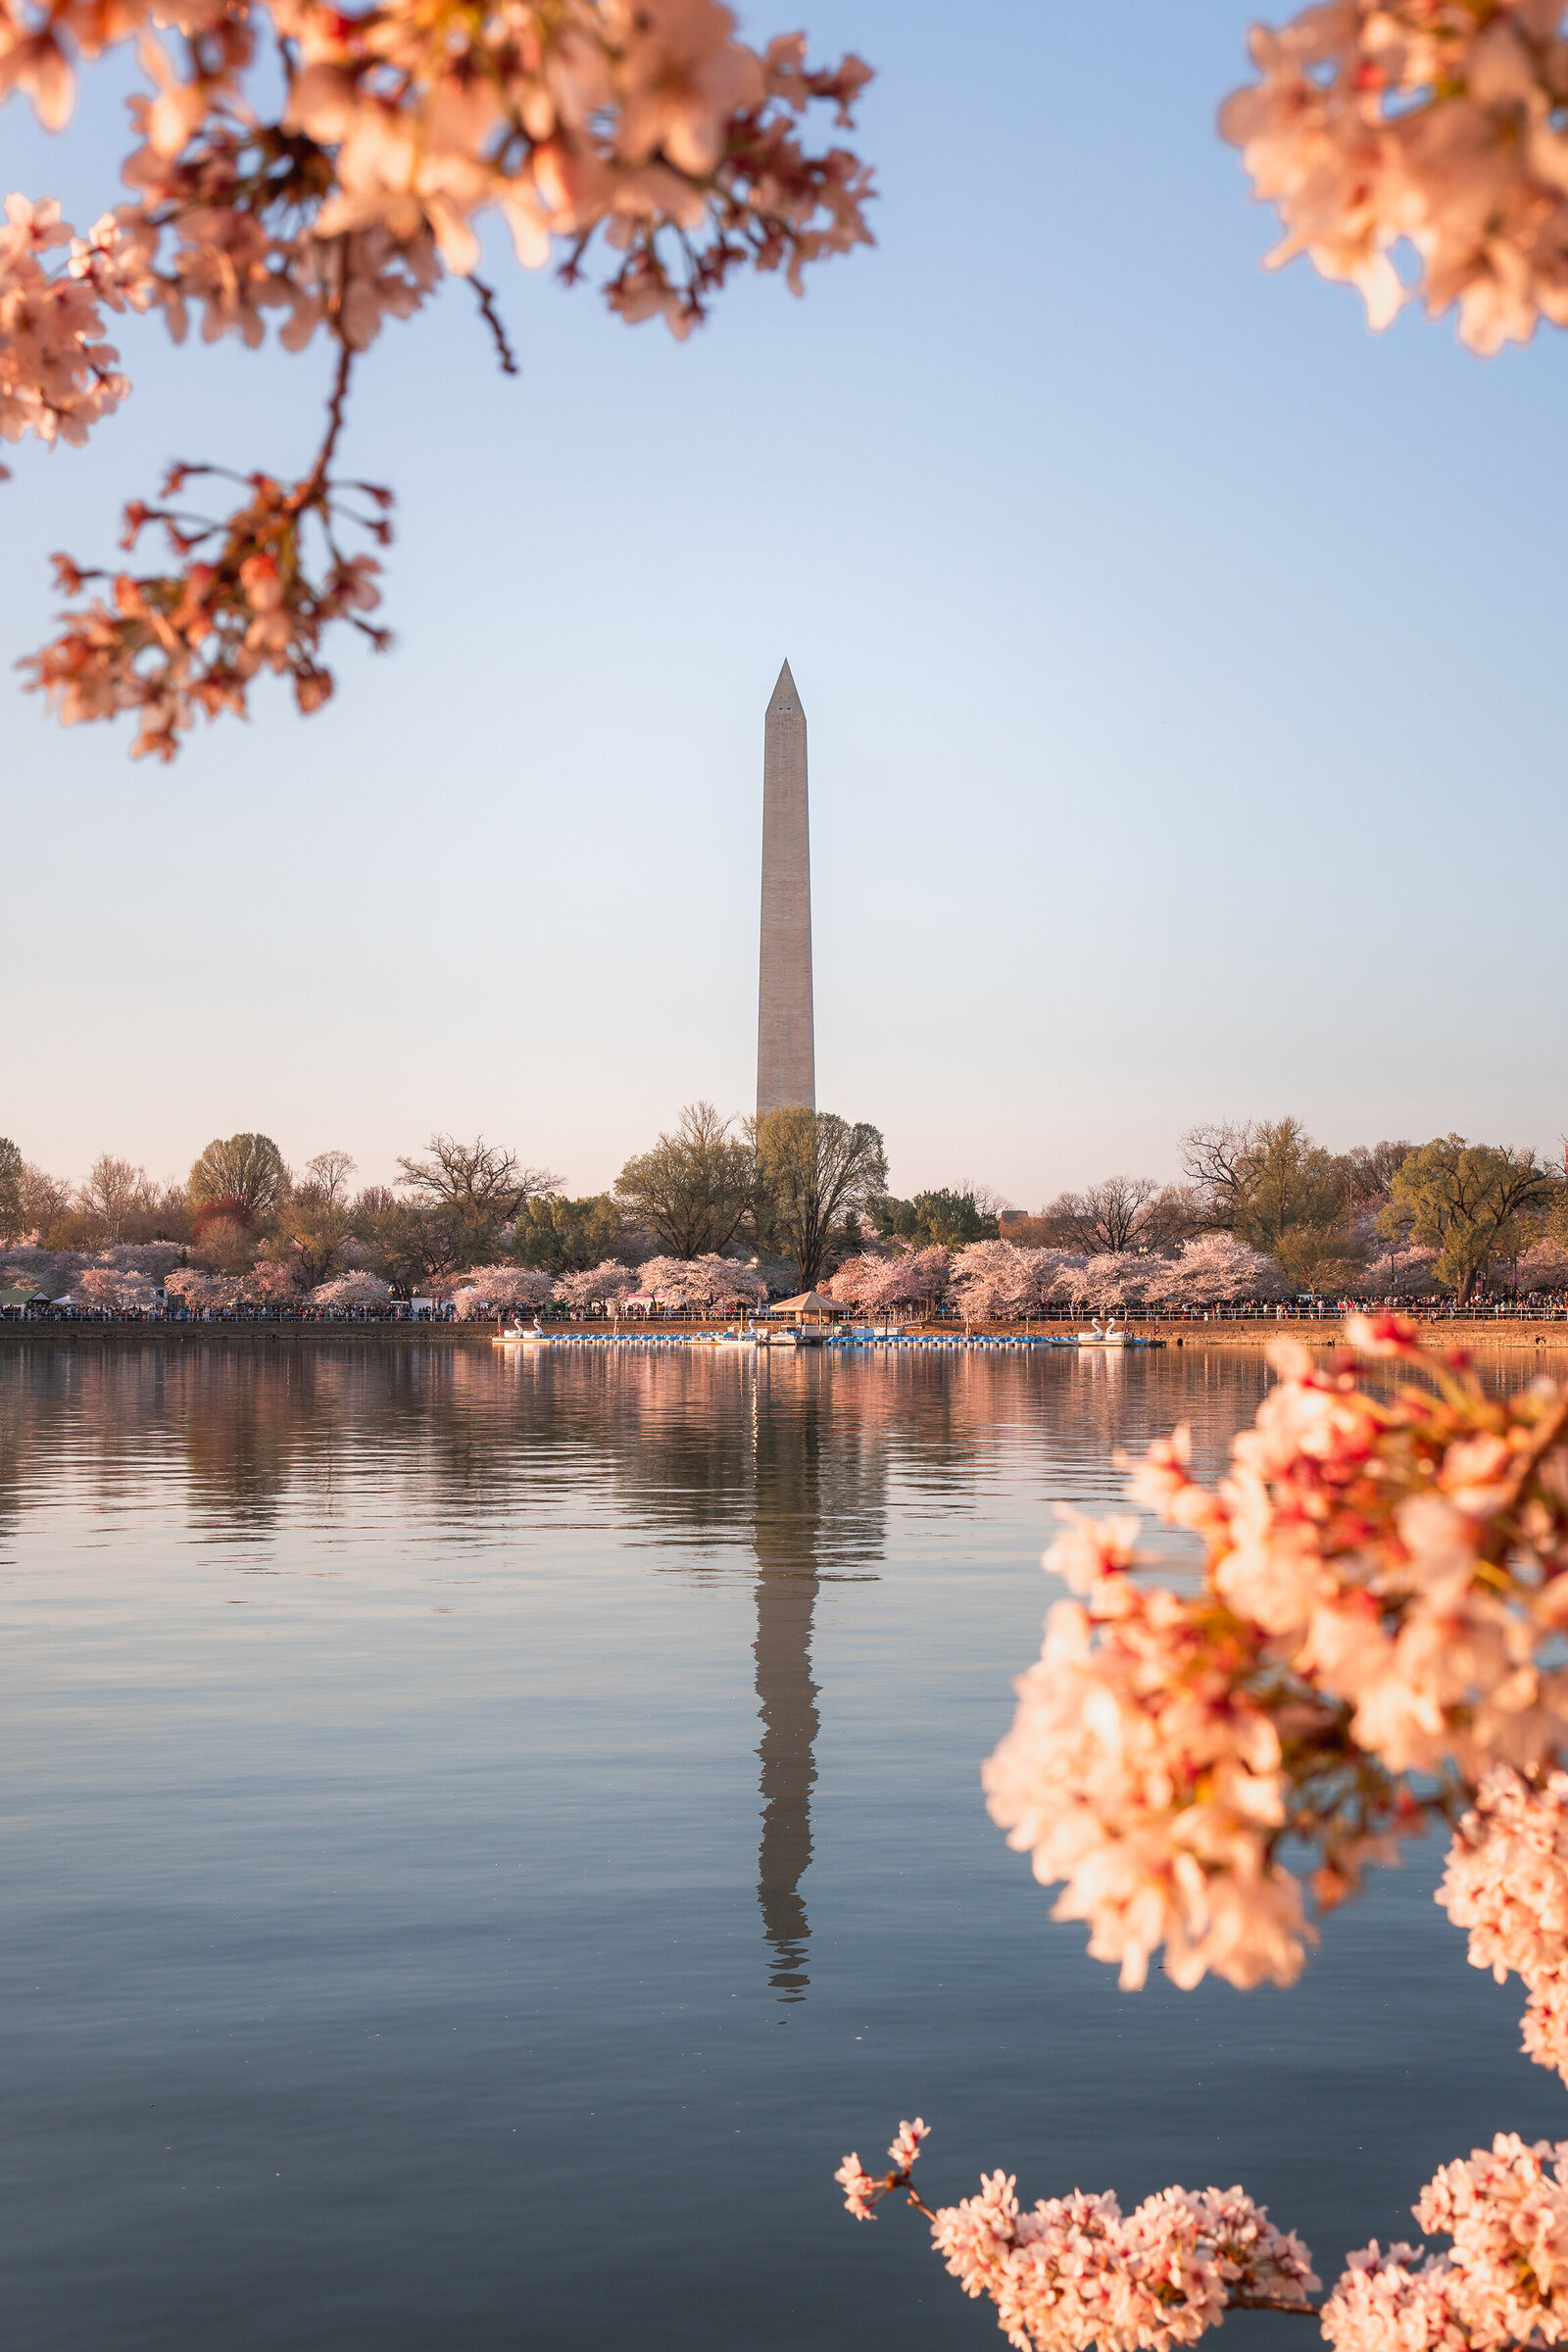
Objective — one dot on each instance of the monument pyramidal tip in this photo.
(786, 1035)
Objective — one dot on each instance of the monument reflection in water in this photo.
(810, 1494)
(787, 1453)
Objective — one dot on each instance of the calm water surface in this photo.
(484, 1837)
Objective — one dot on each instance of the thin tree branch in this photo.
(1303, 2310)
(305, 493)
(487, 312)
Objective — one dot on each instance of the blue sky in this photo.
(1181, 665)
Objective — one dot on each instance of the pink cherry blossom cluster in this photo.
(995, 1279)
(1508, 1882)
(603, 1284)
(1398, 2301)
(700, 1285)
(1432, 125)
(56, 374)
(251, 592)
(998, 1278)
(203, 1293)
(1506, 2280)
(862, 2190)
(109, 1286)
(1506, 2210)
(1142, 1771)
(908, 1278)
(494, 1290)
(1076, 2271)
(355, 1289)
(1383, 1596)
(270, 1283)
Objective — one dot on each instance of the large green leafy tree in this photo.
(406, 1245)
(1465, 1200)
(816, 1173)
(247, 1169)
(694, 1188)
(1267, 1182)
(942, 1219)
(567, 1236)
(1290, 1181)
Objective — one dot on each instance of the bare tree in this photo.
(481, 1181)
(42, 1199)
(313, 1222)
(1110, 1217)
(1217, 1160)
(1175, 1215)
(332, 1170)
(1367, 1170)
(114, 1192)
(989, 1202)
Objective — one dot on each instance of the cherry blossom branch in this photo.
(652, 133)
(57, 376)
(1377, 1640)
(1075, 2272)
(1235, 2298)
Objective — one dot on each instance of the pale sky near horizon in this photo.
(1176, 657)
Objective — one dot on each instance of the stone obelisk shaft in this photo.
(786, 1049)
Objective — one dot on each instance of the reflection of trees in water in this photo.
(252, 1429)
(473, 1437)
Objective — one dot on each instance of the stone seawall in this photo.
(1471, 1332)
(1468, 1332)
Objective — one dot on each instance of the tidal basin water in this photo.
(485, 1835)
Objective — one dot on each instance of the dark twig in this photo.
(1302, 2310)
(491, 318)
(305, 494)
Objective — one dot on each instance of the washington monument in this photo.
(786, 1050)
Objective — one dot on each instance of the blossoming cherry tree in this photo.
(1376, 1644)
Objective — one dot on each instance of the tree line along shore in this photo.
(719, 1216)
